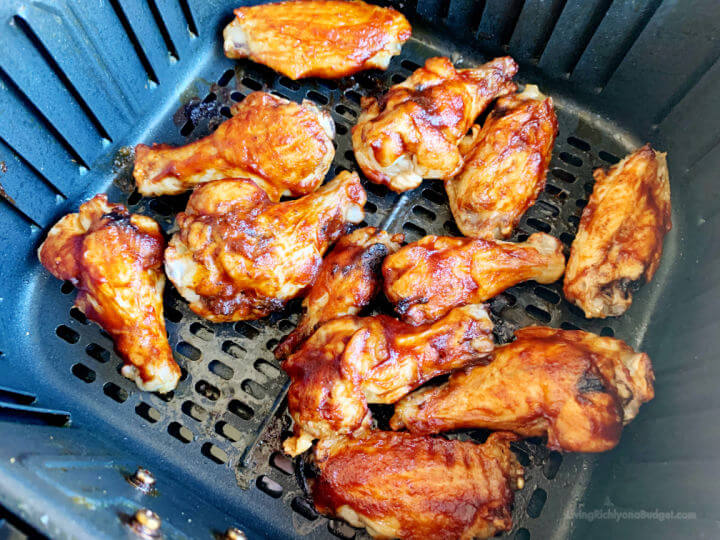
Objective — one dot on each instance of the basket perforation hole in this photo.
(225, 372)
(252, 84)
(397, 78)
(237, 96)
(377, 189)
(201, 331)
(285, 325)
(95, 351)
(271, 344)
(317, 97)
(345, 111)
(588, 187)
(289, 83)
(607, 157)
(568, 326)
(451, 228)
(547, 294)
(522, 534)
(66, 287)
(433, 196)
(188, 351)
(354, 96)
(556, 192)
(349, 155)
(341, 529)
(207, 390)
(424, 213)
(134, 198)
(240, 409)
(214, 453)
(413, 231)
(581, 203)
(571, 159)
(187, 128)
(160, 207)
(552, 465)
(607, 332)
(226, 77)
(576, 311)
(579, 143)
(253, 389)
(78, 315)
(269, 486)
(230, 432)
(562, 174)
(266, 368)
(536, 503)
(233, 349)
(173, 315)
(574, 221)
(329, 84)
(67, 334)
(180, 432)
(148, 412)
(195, 411)
(282, 463)
(84, 373)
(115, 392)
(409, 65)
(340, 129)
(539, 225)
(225, 111)
(567, 238)
(538, 313)
(167, 397)
(246, 330)
(548, 209)
(304, 507)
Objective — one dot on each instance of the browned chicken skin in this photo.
(427, 278)
(115, 261)
(620, 238)
(577, 388)
(239, 256)
(348, 279)
(505, 165)
(284, 147)
(399, 485)
(413, 131)
(352, 361)
(317, 38)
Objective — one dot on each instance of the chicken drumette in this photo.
(114, 258)
(348, 279)
(352, 361)
(239, 256)
(620, 238)
(577, 388)
(505, 165)
(284, 147)
(406, 486)
(317, 38)
(413, 131)
(427, 278)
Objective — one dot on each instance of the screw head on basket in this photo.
(146, 523)
(143, 480)
(234, 533)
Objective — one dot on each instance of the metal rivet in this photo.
(234, 534)
(142, 480)
(146, 523)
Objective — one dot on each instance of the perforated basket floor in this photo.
(219, 433)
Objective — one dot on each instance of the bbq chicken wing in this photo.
(406, 486)
(427, 278)
(505, 166)
(577, 388)
(413, 131)
(348, 279)
(284, 147)
(317, 38)
(115, 261)
(352, 361)
(239, 256)
(620, 239)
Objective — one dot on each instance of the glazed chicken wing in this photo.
(352, 361)
(406, 486)
(348, 279)
(284, 147)
(505, 166)
(317, 38)
(413, 131)
(577, 388)
(620, 239)
(115, 261)
(239, 256)
(427, 278)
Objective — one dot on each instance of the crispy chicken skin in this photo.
(348, 279)
(413, 131)
(427, 278)
(352, 361)
(114, 258)
(317, 38)
(620, 239)
(399, 485)
(505, 165)
(284, 147)
(239, 256)
(577, 388)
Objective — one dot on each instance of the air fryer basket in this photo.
(81, 82)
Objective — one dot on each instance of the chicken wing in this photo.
(348, 279)
(317, 38)
(115, 261)
(239, 256)
(284, 147)
(399, 485)
(620, 239)
(413, 131)
(352, 361)
(427, 278)
(577, 388)
(505, 166)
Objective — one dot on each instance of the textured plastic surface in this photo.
(80, 81)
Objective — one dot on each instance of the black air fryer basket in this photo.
(83, 81)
